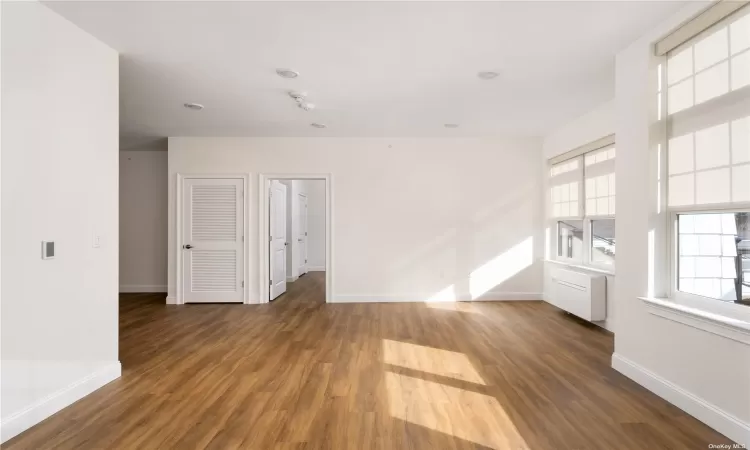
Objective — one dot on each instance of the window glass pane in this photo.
(741, 140)
(680, 66)
(570, 239)
(711, 49)
(680, 96)
(741, 71)
(739, 35)
(712, 147)
(714, 255)
(741, 183)
(681, 154)
(712, 186)
(603, 241)
(712, 82)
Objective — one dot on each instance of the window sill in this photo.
(728, 327)
(581, 267)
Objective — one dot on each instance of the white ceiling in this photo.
(395, 69)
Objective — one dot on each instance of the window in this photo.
(707, 87)
(565, 188)
(714, 255)
(603, 242)
(582, 203)
(570, 239)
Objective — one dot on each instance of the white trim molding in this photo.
(47, 406)
(421, 298)
(708, 413)
(316, 268)
(143, 288)
(727, 327)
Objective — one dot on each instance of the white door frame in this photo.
(263, 227)
(179, 299)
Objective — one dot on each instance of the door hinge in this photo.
(305, 261)
(243, 284)
(270, 238)
(270, 283)
(305, 233)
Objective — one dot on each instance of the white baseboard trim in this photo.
(316, 268)
(416, 298)
(171, 300)
(139, 288)
(708, 413)
(42, 409)
(291, 279)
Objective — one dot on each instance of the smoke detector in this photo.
(299, 97)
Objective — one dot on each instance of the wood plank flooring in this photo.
(300, 374)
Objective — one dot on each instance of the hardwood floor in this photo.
(300, 374)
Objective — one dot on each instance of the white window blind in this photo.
(566, 187)
(708, 111)
(599, 168)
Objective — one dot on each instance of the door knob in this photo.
(299, 240)
(286, 243)
(187, 246)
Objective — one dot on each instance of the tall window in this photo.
(582, 204)
(707, 84)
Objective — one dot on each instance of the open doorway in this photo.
(296, 228)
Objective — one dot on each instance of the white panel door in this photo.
(277, 239)
(302, 233)
(212, 247)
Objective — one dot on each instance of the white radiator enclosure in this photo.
(582, 294)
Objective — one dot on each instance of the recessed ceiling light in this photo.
(193, 106)
(487, 75)
(318, 125)
(451, 125)
(287, 73)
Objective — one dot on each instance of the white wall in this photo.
(411, 218)
(316, 224)
(59, 182)
(143, 221)
(596, 124)
(706, 374)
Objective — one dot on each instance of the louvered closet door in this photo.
(212, 240)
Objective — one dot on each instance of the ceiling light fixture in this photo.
(318, 125)
(487, 75)
(287, 73)
(451, 125)
(193, 106)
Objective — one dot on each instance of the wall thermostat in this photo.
(48, 249)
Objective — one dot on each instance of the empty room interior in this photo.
(375, 225)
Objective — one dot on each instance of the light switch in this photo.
(97, 241)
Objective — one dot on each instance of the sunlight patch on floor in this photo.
(501, 268)
(431, 360)
(446, 295)
(457, 412)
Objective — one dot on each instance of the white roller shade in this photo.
(688, 30)
(708, 113)
(599, 168)
(566, 189)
